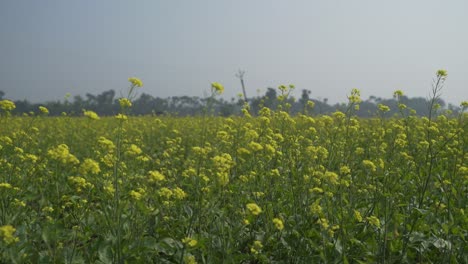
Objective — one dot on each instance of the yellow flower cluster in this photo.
(256, 247)
(125, 103)
(278, 223)
(62, 154)
(165, 192)
(91, 115)
(190, 241)
(369, 165)
(315, 208)
(7, 105)
(373, 220)
(5, 185)
(254, 209)
(222, 164)
(179, 194)
(133, 150)
(137, 194)
(89, 166)
(398, 93)
(107, 144)
(156, 176)
(7, 233)
(80, 183)
(217, 87)
(383, 108)
(135, 82)
(442, 73)
(121, 117)
(43, 110)
(355, 97)
(357, 216)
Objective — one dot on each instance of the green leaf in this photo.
(105, 254)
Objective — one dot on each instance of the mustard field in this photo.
(272, 188)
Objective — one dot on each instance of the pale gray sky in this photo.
(52, 47)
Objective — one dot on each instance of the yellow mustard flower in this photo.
(44, 110)
(179, 193)
(442, 73)
(190, 241)
(5, 185)
(7, 105)
(254, 209)
(135, 82)
(369, 165)
(217, 87)
(383, 108)
(125, 103)
(136, 195)
(7, 232)
(256, 247)
(91, 115)
(278, 223)
(357, 216)
(89, 166)
(121, 117)
(373, 220)
(62, 153)
(165, 193)
(155, 176)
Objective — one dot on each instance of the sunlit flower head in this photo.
(254, 209)
(357, 216)
(7, 234)
(442, 73)
(135, 82)
(179, 193)
(156, 176)
(125, 103)
(136, 195)
(256, 247)
(398, 93)
(383, 108)
(278, 223)
(373, 220)
(91, 115)
(89, 166)
(190, 241)
(369, 165)
(121, 117)
(44, 110)
(217, 87)
(7, 105)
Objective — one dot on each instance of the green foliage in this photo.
(275, 188)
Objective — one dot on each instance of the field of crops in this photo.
(266, 189)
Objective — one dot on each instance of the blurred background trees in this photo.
(106, 104)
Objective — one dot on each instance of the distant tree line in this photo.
(106, 104)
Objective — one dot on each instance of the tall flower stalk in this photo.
(125, 104)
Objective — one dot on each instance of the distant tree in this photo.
(270, 98)
(304, 99)
(419, 104)
(106, 104)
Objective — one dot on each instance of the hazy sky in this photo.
(50, 48)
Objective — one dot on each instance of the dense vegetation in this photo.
(275, 188)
